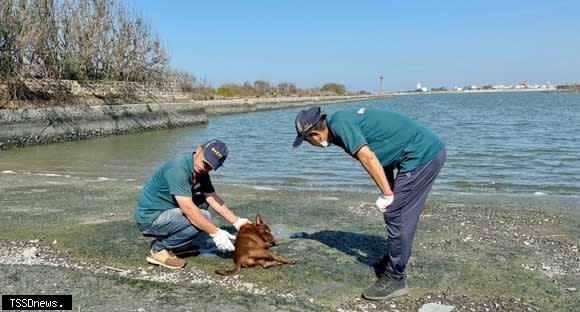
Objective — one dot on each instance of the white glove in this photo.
(222, 240)
(241, 221)
(384, 201)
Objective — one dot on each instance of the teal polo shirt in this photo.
(175, 178)
(395, 139)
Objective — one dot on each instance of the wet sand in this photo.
(74, 235)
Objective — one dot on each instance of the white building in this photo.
(420, 89)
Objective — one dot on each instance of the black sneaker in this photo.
(385, 288)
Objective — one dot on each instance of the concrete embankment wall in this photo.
(57, 124)
(32, 126)
(225, 107)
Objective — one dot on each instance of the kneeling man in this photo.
(174, 201)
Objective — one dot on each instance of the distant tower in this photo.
(418, 88)
(381, 90)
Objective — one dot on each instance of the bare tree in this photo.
(262, 87)
(78, 39)
(286, 88)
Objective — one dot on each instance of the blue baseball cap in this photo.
(305, 122)
(215, 153)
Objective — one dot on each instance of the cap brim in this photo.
(299, 139)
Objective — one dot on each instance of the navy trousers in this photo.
(172, 229)
(402, 216)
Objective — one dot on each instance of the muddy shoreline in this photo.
(474, 254)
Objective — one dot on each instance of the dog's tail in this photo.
(235, 271)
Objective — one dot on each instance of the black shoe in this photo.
(385, 288)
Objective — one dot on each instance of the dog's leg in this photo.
(279, 259)
(266, 264)
(286, 261)
(248, 262)
(268, 255)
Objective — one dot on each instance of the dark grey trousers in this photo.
(402, 216)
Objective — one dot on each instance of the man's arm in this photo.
(218, 204)
(371, 163)
(193, 213)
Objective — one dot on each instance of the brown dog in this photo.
(252, 243)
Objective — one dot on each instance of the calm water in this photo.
(520, 143)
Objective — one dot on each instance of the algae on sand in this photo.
(334, 242)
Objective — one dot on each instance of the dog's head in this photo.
(264, 231)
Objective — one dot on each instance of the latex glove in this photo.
(384, 201)
(241, 221)
(222, 240)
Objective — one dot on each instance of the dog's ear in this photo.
(259, 219)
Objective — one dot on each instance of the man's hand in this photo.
(241, 221)
(384, 201)
(222, 240)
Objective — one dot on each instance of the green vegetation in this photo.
(261, 88)
(335, 88)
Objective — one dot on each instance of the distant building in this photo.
(458, 88)
(522, 85)
(419, 88)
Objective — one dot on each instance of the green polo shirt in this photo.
(175, 178)
(394, 138)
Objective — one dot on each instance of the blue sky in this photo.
(439, 43)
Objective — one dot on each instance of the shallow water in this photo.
(500, 143)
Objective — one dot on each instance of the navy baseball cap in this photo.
(305, 121)
(215, 153)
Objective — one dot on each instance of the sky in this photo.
(437, 43)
